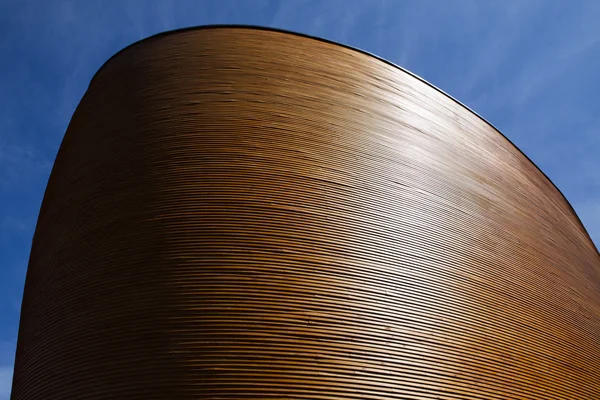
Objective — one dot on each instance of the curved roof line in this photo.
(284, 31)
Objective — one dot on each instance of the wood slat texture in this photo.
(245, 213)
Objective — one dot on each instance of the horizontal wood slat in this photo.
(245, 213)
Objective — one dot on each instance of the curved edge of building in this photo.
(171, 258)
(288, 32)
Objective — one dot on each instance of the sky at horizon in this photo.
(527, 66)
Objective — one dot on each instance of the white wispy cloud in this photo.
(19, 164)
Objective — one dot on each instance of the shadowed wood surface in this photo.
(241, 213)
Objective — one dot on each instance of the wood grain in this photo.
(246, 213)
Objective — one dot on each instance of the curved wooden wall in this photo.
(243, 213)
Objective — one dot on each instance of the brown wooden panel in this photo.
(242, 213)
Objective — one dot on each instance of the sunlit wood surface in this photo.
(240, 213)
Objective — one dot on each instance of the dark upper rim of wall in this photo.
(283, 31)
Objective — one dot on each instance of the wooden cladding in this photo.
(244, 213)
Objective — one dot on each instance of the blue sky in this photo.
(528, 67)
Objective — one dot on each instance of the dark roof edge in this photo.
(264, 28)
